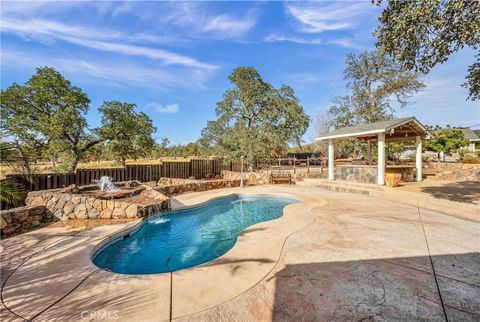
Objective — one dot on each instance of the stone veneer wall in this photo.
(23, 219)
(409, 174)
(197, 185)
(249, 178)
(174, 181)
(369, 174)
(454, 171)
(77, 206)
(356, 174)
(263, 176)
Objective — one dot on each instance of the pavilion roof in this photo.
(470, 134)
(396, 129)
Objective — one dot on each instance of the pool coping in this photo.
(103, 239)
(172, 296)
(287, 212)
(136, 226)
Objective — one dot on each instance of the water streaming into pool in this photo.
(183, 239)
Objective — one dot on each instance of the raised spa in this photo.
(183, 239)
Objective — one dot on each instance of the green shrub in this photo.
(471, 159)
(463, 152)
(61, 167)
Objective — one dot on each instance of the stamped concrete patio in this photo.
(335, 256)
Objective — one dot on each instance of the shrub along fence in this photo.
(197, 168)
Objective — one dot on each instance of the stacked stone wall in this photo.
(454, 171)
(23, 219)
(261, 177)
(66, 206)
(356, 174)
(196, 185)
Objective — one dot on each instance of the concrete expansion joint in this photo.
(432, 265)
(23, 262)
(305, 249)
(64, 296)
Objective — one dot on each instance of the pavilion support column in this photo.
(418, 158)
(331, 159)
(369, 152)
(381, 159)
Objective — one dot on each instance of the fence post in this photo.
(308, 164)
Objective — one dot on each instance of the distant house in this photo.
(472, 137)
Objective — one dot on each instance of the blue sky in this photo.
(172, 59)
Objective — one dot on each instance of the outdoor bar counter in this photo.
(365, 173)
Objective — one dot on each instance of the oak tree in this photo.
(254, 119)
(423, 33)
(129, 133)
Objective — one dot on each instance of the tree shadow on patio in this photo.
(466, 192)
(380, 289)
(237, 263)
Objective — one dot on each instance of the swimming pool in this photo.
(183, 239)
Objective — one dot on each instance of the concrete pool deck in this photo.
(334, 256)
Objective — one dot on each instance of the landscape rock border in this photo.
(23, 219)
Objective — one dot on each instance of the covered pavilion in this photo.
(407, 129)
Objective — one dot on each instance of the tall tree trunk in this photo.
(73, 164)
(25, 159)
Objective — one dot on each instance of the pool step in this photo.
(342, 186)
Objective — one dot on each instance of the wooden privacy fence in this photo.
(143, 172)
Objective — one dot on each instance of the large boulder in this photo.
(131, 211)
(209, 176)
(133, 184)
(118, 213)
(81, 212)
(68, 209)
(70, 189)
(165, 181)
(98, 205)
(106, 213)
(37, 201)
(92, 213)
(76, 200)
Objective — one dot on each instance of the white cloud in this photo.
(42, 8)
(231, 26)
(310, 78)
(25, 7)
(167, 57)
(348, 43)
(168, 108)
(85, 37)
(342, 42)
(317, 17)
(112, 72)
(195, 20)
(172, 22)
(444, 101)
(293, 39)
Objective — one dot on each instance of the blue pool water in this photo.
(182, 239)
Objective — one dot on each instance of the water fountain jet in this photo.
(106, 184)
